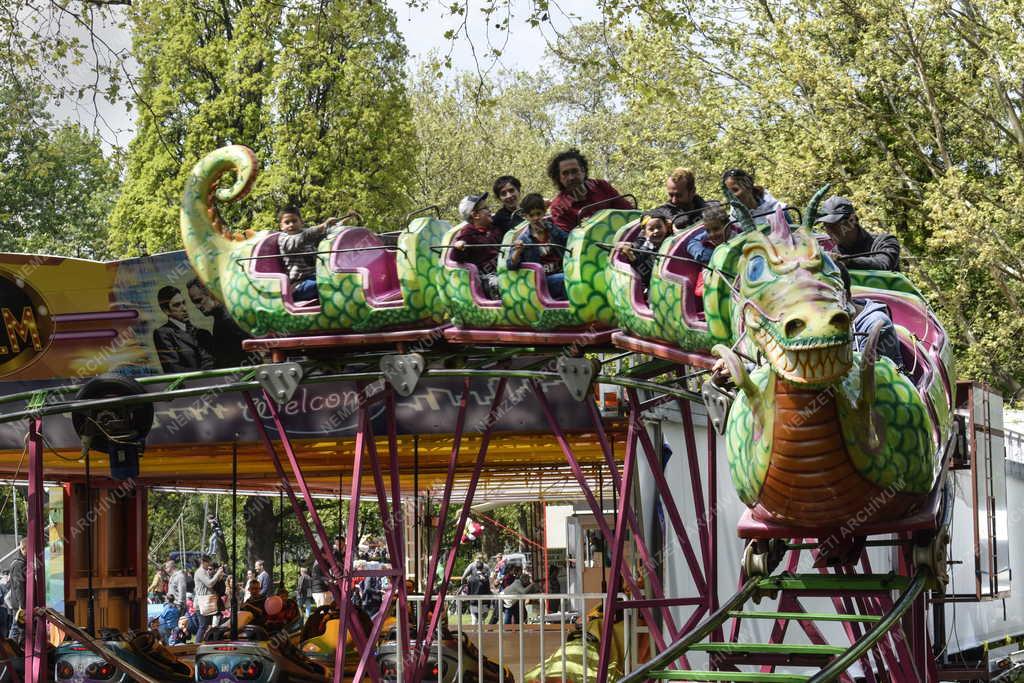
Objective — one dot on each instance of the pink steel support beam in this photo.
(398, 561)
(712, 527)
(602, 524)
(320, 553)
(351, 538)
(375, 631)
(668, 500)
(698, 490)
(625, 500)
(390, 519)
(449, 565)
(35, 579)
(449, 482)
(286, 443)
(634, 525)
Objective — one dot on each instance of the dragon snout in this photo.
(823, 325)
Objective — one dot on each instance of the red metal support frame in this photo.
(602, 523)
(449, 482)
(351, 539)
(389, 517)
(317, 538)
(618, 543)
(35, 565)
(398, 561)
(668, 500)
(320, 548)
(438, 606)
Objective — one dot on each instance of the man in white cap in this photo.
(857, 248)
(474, 242)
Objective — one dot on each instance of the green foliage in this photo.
(315, 88)
(471, 131)
(914, 112)
(56, 185)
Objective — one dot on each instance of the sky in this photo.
(423, 30)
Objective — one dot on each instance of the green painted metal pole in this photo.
(713, 621)
(868, 640)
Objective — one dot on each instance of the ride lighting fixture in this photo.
(65, 670)
(248, 670)
(207, 671)
(100, 671)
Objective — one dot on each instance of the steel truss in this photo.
(649, 384)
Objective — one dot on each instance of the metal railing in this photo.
(473, 639)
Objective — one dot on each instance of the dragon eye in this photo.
(757, 269)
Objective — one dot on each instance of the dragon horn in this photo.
(746, 220)
(780, 226)
(811, 212)
(204, 237)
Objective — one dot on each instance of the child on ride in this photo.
(716, 230)
(474, 242)
(297, 246)
(641, 253)
(537, 245)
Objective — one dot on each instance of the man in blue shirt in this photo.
(264, 578)
(866, 314)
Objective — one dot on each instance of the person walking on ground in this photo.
(15, 599)
(304, 592)
(206, 597)
(177, 582)
(263, 576)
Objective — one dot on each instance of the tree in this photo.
(56, 185)
(470, 131)
(315, 88)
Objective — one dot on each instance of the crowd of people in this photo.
(193, 602)
(507, 579)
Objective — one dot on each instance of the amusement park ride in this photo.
(835, 453)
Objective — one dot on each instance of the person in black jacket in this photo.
(684, 204)
(508, 190)
(15, 598)
(180, 345)
(227, 335)
(857, 248)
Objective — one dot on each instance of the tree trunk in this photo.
(261, 523)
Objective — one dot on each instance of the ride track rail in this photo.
(57, 408)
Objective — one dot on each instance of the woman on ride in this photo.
(536, 245)
(754, 197)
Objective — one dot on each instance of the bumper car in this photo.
(442, 661)
(254, 656)
(577, 660)
(142, 649)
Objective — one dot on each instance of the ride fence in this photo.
(471, 641)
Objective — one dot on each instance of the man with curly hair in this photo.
(579, 196)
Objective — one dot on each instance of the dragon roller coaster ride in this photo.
(833, 451)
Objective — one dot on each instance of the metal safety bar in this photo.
(387, 247)
(611, 246)
(580, 210)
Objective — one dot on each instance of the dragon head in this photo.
(792, 303)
